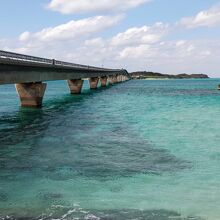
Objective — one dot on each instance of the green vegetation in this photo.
(154, 75)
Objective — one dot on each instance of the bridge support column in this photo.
(31, 94)
(75, 85)
(120, 78)
(111, 80)
(93, 82)
(115, 79)
(104, 80)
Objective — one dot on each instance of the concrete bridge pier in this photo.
(75, 85)
(93, 82)
(115, 80)
(31, 94)
(120, 78)
(104, 80)
(111, 80)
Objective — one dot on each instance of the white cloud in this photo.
(142, 35)
(180, 43)
(176, 56)
(72, 29)
(208, 18)
(85, 6)
(24, 36)
(135, 52)
(95, 42)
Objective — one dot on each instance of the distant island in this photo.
(155, 75)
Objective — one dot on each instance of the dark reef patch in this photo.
(122, 154)
(3, 197)
(50, 196)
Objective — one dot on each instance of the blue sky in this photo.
(170, 36)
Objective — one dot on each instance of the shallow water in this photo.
(136, 150)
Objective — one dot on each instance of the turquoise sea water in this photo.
(136, 150)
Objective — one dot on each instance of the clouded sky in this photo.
(169, 36)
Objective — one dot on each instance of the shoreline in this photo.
(172, 78)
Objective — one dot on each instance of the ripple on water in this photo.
(117, 214)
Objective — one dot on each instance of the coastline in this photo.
(149, 79)
(156, 76)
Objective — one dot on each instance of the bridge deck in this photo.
(19, 68)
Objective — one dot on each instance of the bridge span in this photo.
(29, 74)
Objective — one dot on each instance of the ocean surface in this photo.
(136, 150)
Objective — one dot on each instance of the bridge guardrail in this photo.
(28, 58)
(17, 56)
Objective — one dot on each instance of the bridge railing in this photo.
(61, 63)
(67, 64)
(27, 58)
(17, 56)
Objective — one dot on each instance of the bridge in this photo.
(29, 74)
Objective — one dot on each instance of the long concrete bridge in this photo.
(29, 74)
